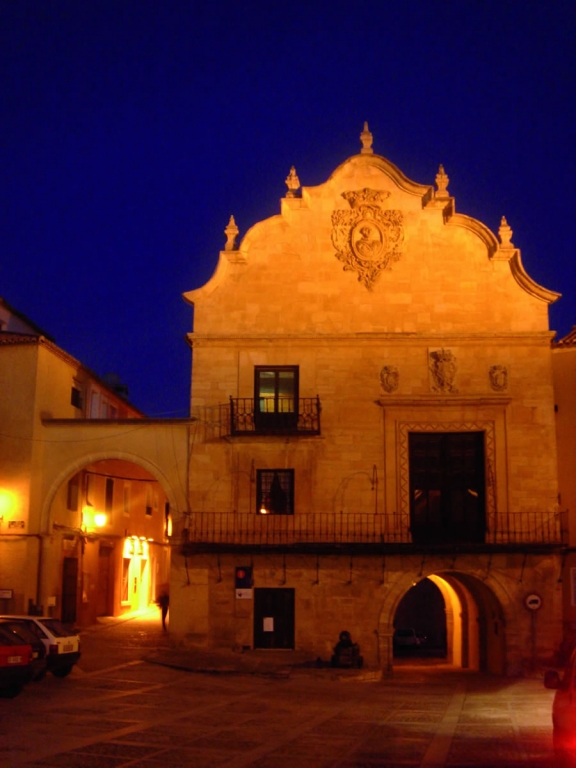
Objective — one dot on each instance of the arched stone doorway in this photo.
(461, 616)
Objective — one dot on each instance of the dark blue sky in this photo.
(132, 129)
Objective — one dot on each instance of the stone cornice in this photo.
(480, 230)
(134, 422)
(526, 282)
(424, 191)
(441, 401)
(514, 338)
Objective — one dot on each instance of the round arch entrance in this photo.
(461, 619)
(108, 553)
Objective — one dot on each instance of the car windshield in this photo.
(56, 627)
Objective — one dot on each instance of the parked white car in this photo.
(62, 645)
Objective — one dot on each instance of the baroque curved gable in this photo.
(386, 247)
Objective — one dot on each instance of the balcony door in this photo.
(447, 487)
(276, 397)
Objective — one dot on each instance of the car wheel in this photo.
(10, 691)
(62, 671)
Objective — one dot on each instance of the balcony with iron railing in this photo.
(363, 533)
(274, 416)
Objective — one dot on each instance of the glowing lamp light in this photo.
(100, 519)
(263, 510)
(7, 502)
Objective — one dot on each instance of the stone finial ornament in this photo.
(366, 139)
(292, 182)
(505, 234)
(442, 183)
(389, 378)
(231, 233)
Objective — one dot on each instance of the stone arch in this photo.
(81, 461)
(476, 620)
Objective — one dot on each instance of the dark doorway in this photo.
(104, 581)
(274, 618)
(420, 622)
(447, 487)
(69, 589)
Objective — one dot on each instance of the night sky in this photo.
(132, 130)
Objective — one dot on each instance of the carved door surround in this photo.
(401, 418)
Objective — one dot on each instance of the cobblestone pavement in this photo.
(118, 710)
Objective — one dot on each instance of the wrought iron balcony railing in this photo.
(326, 530)
(297, 417)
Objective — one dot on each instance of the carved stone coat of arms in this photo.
(367, 238)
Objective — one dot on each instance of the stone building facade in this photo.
(83, 529)
(374, 408)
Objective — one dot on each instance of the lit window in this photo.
(276, 397)
(275, 491)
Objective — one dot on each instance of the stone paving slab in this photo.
(213, 711)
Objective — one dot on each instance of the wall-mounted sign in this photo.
(268, 624)
(6, 594)
(18, 524)
(243, 582)
(533, 602)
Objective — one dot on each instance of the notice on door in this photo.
(268, 624)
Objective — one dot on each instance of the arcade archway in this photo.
(108, 551)
(455, 617)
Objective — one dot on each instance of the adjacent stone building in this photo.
(564, 366)
(83, 519)
(374, 415)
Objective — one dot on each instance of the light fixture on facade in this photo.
(100, 519)
(7, 503)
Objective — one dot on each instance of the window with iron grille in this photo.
(275, 491)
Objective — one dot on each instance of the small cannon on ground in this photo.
(346, 653)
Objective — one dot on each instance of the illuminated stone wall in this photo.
(402, 315)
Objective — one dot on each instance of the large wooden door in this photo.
(274, 618)
(69, 589)
(447, 487)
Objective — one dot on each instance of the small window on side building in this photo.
(76, 397)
